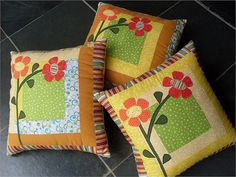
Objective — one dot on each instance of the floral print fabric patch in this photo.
(52, 103)
(137, 42)
(170, 116)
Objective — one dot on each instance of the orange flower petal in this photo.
(130, 102)
(13, 68)
(134, 122)
(142, 103)
(26, 60)
(18, 59)
(112, 17)
(144, 116)
(123, 114)
(16, 75)
(24, 71)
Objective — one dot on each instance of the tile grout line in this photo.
(87, 4)
(169, 8)
(121, 162)
(214, 14)
(109, 169)
(10, 40)
(222, 74)
(35, 19)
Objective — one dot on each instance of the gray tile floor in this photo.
(66, 24)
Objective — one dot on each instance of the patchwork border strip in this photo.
(103, 99)
(101, 147)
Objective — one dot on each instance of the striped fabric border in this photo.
(102, 97)
(101, 147)
(99, 55)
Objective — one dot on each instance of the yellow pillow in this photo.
(137, 42)
(170, 116)
(52, 103)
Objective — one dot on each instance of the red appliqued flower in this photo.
(179, 85)
(140, 25)
(135, 111)
(54, 69)
(108, 13)
(20, 68)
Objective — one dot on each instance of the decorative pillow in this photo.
(136, 42)
(52, 103)
(170, 116)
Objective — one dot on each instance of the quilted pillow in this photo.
(52, 103)
(136, 42)
(170, 116)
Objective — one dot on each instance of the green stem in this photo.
(153, 150)
(28, 77)
(108, 27)
(17, 113)
(99, 31)
(153, 119)
(19, 86)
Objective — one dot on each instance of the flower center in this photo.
(108, 13)
(178, 84)
(139, 25)
(19, 66)
(54, 69)
(134, 111)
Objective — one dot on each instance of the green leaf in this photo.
(162, 120)
(115, 30)
(148, 154)
(22, 115)
(166, 158)
(122, 20)
(91, 38)
(30, 83)
(13, 100)
(158, 96)
(35, 67)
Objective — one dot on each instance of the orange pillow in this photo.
(52, 103)
(136, 42)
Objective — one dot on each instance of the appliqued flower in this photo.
(140, 25)
(179, 85)
(108, 13)
(20, 68)
(135, 111)
(54, 69)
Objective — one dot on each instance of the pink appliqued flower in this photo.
(179, 85)
(54, 69)
(135, 111)
(140, 25)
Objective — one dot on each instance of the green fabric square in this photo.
(45, 100)
(124, 45)
(186, 121)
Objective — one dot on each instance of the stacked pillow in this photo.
(136, 42)
(162, 103)
(52, 103)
